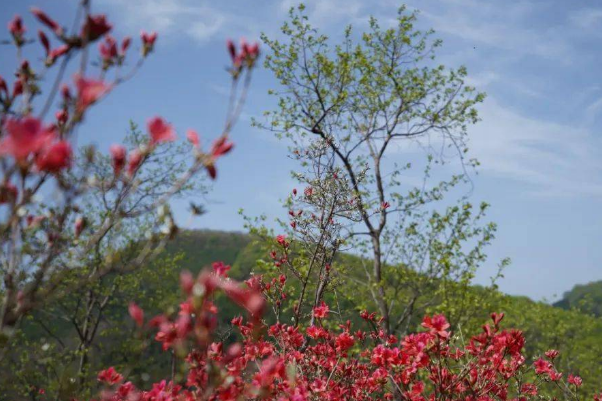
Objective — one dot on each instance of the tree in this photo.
(77, 320)
(349, 110)
(69, 219)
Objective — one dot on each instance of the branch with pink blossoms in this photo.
(41, 236)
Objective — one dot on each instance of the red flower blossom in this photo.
(281, 240)
(160, 131)
(554, 376)
(118, 157)
(497, 318)
(135, 158)
(17, 88)
(110, 376)
(320, 312)
(231, 49)
(344, 341)
(46, 20)
(95, 27)
(136, 313)
(89, 91)
(148, 42)
(56, 53)
(108, 49)
(247, 55)
(220, 147)
(193, 138)
(55, 157)
(148, 39)
(315, 332)
(186, 282)
(183, 326)
(542, 366)
(45, 42)
(125, 390)
(552, 354)
(17, 29)
(211, 170)
(125, 44)
(437, 325)
(25, 137)
(250, 50)
(221, 269)
(575, 380)
(249, 299)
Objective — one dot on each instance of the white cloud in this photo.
(200, 20)
(496, 25)
(588, 19)
(559, 160)
(325, 14)
(205, 29)
(593, 112)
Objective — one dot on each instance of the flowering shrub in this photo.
(283, 362)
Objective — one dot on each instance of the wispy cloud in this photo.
(589, 19)
(200, 20)
(500, 26)
(328, 14)
(557, 159)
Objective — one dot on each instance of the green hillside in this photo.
(202, 247)
(576, 334)
(586, 298)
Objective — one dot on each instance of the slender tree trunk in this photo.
(377, 272)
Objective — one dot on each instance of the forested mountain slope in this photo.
(587, 298)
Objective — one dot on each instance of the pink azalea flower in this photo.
(118, 156)
(160, 131)
(95, 27)
(89, 91)
(193, 138)
(55, 157)
(135, 159)
(136, 313)
(25, 137)
(46, 20)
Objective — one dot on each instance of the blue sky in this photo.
(539, 142)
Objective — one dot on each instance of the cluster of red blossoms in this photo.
(284, 362)
(246, 57)
(37, 147)
(37, 154)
